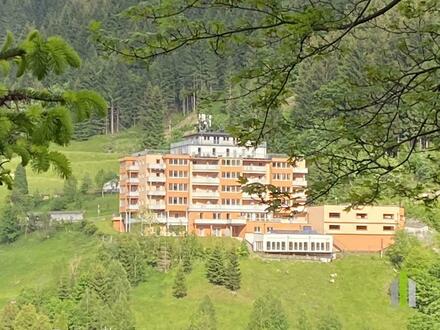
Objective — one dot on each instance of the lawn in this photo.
(358, 296)
(34, 262)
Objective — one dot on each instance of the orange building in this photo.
(368, 228)
(195, 185)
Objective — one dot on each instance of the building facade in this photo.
(368, 228)
(195, 185)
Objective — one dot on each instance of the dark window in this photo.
(388, 228)
(388, 216)
(334, 227)
(290, 245)
(334, 215)
(361, 215)
(267, 245)
(361, 227)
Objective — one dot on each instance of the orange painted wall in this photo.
(362, 243)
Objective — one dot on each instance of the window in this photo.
(290, 246)
(388, 228)
(334, 227)
(200, 215)
(257, 229)
(334, 215)
(300, 246)
(388, 216)
(283, 246)
(227, 152)
(361, 215)
(322, 246)
(216, 216)
(312, 246)
(267, 245)
(305, 246)
(278, 245)
(157, 161)
(327, 246)
(273, 245)
(213, 151)
(361, 227)
(228, 216)
(269, 229)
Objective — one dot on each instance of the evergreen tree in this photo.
(29, 319)
(268, 314)
(64, 287)
(8, 315)
(233, 275)
(70, 190)
(61, 321)
(131, 257)
(186, 260)
(20, 187)
(86, 184)
(204, 318)
(243, 250)
(152, 118)
(164, 258)
(10, 224)
(215, 267)
(179, 287)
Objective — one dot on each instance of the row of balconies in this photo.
(207, 207)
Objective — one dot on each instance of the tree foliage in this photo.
(268, 314)
(179, 286)
(215, 267)
(204, 318)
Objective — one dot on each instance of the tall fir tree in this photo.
(164, 258)
(10, 228)
(232, 273)
(204, 318)
(268, 314)
(186, 260)
(70, 190)
(179, 287)
(215, 267)
(151, 118)
(86, 184)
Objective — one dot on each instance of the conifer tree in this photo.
(186, 260)
(70, 190)
(64, 287)
(10, 228)
(243, 250)
(86, 184)
(151, 118)
(20, 186)
(233, 275)
(164, 258)
(61, 321)
(204, 318)
(268, 314)
(215, 267)
(179, 287)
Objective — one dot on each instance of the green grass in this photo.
(358, 296)
(33, 262)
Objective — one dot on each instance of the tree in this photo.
(268, 314)
(86, 184)
(392, 91)
(215, 267)
(70, 190)
(29, 319)
(402, 246)
(20, 187)
(164, 258)
(204, 318)
(32, 118)
(186, 259)
(8, 315)
(243, 251)
(10, 228)
(152, 118)
(232, 273)
(179, 287)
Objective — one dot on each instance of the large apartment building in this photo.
(195, 185)
(367, 228)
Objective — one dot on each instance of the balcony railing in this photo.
(205, 167)
(156, 166)
(256, 180)
(231, 208)
(133, 193)
(254, 169)
(205, 194)
(133, 168)
(156, 206)
(133, 180)
(300, 170)
(300, 182)
(153, 178)
(160, 192)
(205, 180)
(220, 221)
(133, 206)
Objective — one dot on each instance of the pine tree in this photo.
(268, 314)
(186, 260)
(233, 275)
(179, 287)
(152, 118)
(204, 318)
(10, 228)
(70, 191)
(164, 258)
(20, 187)
(61, 321)
(100, 282)
(26, 318)
(215, 267)
(243, 250)
(64, 287)
(86, 184)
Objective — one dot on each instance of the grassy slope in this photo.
(359, 296)
(32, 262)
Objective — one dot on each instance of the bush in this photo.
(88, 228)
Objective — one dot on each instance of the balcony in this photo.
(133, 168)
(300, 170)
(133, 180)
(156, 166)
(133, 207)
(228, 208)
(256, 180)
(154, 178)
(299, 182)
(205, 194)
(240, 221)
(205, 168)
(156, 206)
(248, 196)
(133, 193)
(254, 169)
(159, 192)
(205, 180)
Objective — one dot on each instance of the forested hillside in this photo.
(143, 97)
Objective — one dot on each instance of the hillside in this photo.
(359, 297)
